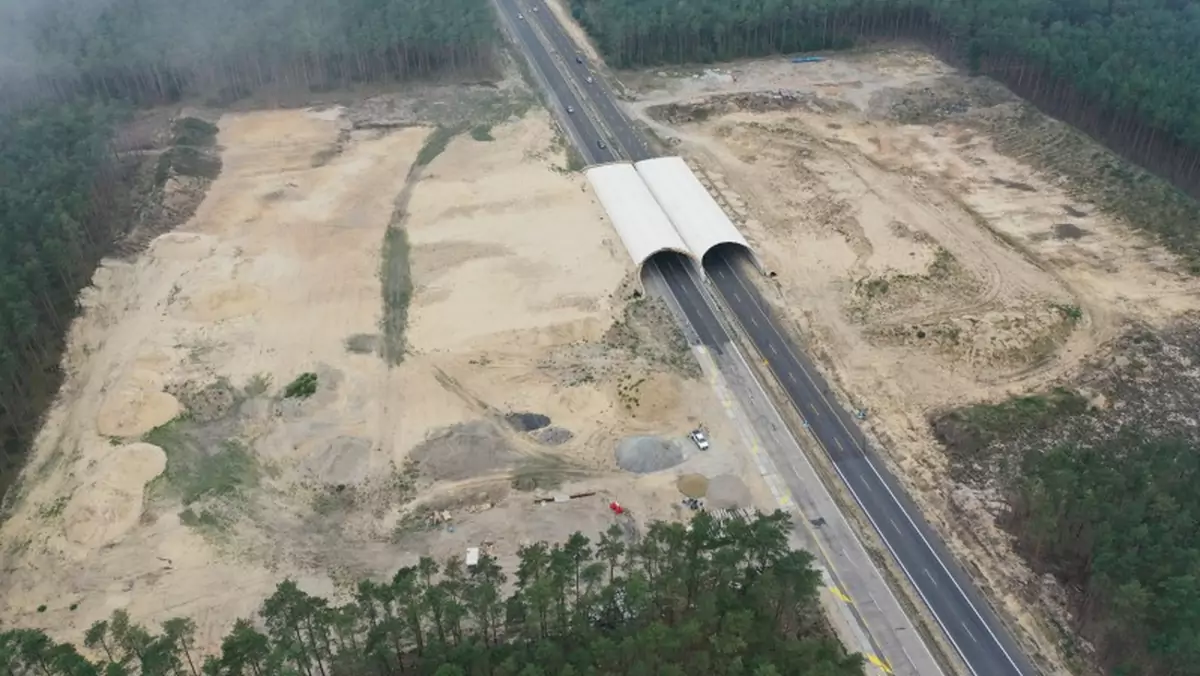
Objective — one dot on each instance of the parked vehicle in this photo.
(699, 439)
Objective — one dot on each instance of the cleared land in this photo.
(368, 327)
(929, 250)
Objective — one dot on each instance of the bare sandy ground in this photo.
(520, 304)
(926, 268)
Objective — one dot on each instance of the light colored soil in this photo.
(981, 277)
(518, 281)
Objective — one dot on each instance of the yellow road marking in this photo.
(840, 594)
(883, 666)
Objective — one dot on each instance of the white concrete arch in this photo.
(696, 216)
(638, 219)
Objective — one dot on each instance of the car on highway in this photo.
(600, 144)
(535, 9)
(590, 80)
(570, 110)
(521, 17)
(699, 439)
(578, 59)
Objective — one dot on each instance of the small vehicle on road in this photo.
(570, 110)
(699, 439)
(600, 144)
(578, 59)
(535, 8)
(521, 17)
(590, 80)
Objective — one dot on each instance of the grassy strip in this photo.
(396, 277)
(436, 143)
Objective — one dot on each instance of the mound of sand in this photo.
(693, 485)
(102, 510)
(342, 460)
(136, 406)
(726, 491)
(463, 451)
(648, 454)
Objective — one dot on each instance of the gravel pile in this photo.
(552, 436)
(643, 455)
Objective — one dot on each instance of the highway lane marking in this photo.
(930, 576)
(907, 516)
(754, 321)
(883, 666)
(968, 630)
(771, 346)
(737, 297)
(838, 441)
(840, 594)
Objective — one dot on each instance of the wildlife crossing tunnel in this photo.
(659, 208)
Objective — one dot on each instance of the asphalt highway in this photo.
(976, 633)
(982, 641)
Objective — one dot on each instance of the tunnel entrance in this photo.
(667, 264)
(728, 256)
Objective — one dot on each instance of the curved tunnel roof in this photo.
(641, 223)
(697, 217)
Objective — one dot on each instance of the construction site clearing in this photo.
(926, 252)
(373, 341)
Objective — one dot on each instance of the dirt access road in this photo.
(918, 253)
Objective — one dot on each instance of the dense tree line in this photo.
(61, 187)
(156, 51)
(56, 206)
(716, 597)
(1119, 523)
(1124, 71)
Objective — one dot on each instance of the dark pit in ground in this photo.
(527, 422)
(1068, 231)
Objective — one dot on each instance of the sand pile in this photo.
(726, 491)
(693, 485)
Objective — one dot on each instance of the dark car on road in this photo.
(578, 59)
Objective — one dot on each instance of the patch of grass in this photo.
(436, 143)
(195, 471)
(969, 430)
(258, 385)
(55, 508)
(303, 387)
(192, 131)
(362, 343)
(942, 265)
(482, 132)
(1072, 312)
(873, 288)
(186, 161)
(206, 521)
(396, 278)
